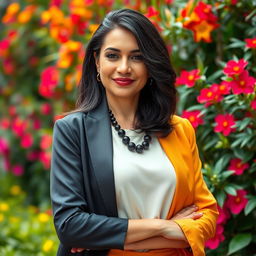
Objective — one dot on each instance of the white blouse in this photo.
(144, 183)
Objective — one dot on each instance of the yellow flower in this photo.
(4, 207)
(93, 27)
(1, 217)
(13, 8)
(43, 217)
(48, 245)
(14, 219)
(26, 14)
(15, 190)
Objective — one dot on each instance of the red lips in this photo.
(123, 81)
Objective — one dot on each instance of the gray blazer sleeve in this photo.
(75, 226)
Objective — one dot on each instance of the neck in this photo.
(124, 111)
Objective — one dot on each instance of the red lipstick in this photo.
(123, 81)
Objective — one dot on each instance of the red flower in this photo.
(4, 45)
(224, 88)
(250, 42)
(194, 117)
(253, 104)
(238, 166)
(224, 215)
(46, 109)
(212, 94)
(17, 170)
(235, 67)
(151, 12)
(214, 242)
(46, 142)
(45, 159)
(4, 146)
(26, 140)
(19, 126)
(225, 124)
(49, 81)
(4, 123)
(188, 77)
(243, 83)
(204, 11)
(237, 203)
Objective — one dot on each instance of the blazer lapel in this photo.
(99, 139)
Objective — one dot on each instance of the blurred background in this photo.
(213, 50)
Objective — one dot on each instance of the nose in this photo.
(124, 66)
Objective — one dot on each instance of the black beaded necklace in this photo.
(126, 140)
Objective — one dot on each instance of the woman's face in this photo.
(121, 66)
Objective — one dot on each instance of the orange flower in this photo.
(11, 11)
(26, 14)
(62, 32)
(202, 31)
(93, 27)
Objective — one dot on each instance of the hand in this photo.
(75, 250)
(171, 230)
(189, 212)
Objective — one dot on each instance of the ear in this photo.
(96, 61)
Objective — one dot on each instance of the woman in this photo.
(125, 173)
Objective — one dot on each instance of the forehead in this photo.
(121, 39)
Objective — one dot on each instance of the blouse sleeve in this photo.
(199, 231)
(75, 226)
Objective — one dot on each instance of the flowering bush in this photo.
(213, 49)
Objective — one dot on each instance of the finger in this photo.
(188, 210)
(73, 250)
(80, 249)
(197, 215)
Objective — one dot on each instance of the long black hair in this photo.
(157, 101)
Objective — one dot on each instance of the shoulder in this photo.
(70, 124)
(71, 120)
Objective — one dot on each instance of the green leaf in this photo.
(230, 190)
(226, 174)
(220, 196)
(239, 242)
(250, 206)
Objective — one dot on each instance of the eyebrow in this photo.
(117, 50)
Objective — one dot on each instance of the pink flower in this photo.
(237, 203)
(188, 77)
(33, 155)
(243, 83)
(17, 170)
(212, 94)
(235, 67)
(224, 88)
(4, 146)
(238, 166)
(194, 117)
(151, 12)
(49, 81)
(5, 123)
(36, 123)
(224, 215)
(250, 42)
(19, 126)
(4, 45)
(224, 124)
(45, 159)
(46, 109)
(46, 142)
(27, 140)
(214, 242)
(253, 104)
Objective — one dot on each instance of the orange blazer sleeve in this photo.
(180, 146)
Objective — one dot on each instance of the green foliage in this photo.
(41, 53)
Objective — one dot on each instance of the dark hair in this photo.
(157, 101)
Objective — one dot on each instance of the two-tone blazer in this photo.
(83, 189)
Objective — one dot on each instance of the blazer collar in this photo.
(99, 138)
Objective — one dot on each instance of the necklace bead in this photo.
(126, 140)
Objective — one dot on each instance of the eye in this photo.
(111, 55)
(137, 57)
